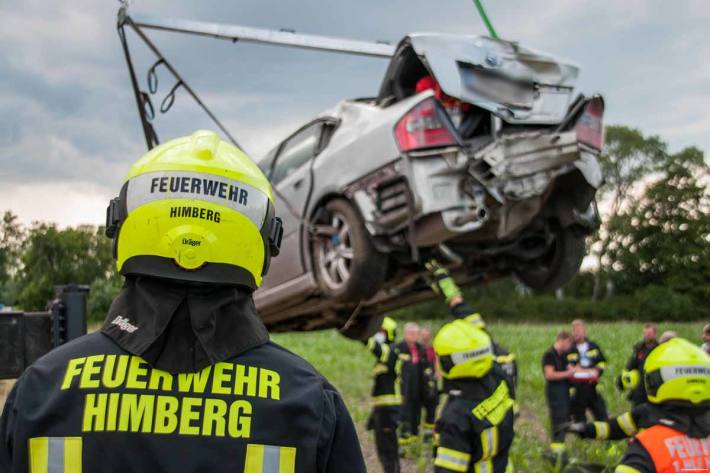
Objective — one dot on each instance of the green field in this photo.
(347, 364)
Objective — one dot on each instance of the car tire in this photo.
(558, 265)
(363, 327)
(346, 264)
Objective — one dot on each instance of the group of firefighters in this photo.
(183, 377)
(474, 430)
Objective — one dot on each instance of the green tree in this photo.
(51, 256)
(664, 239)
(629, 158)
(11, 235)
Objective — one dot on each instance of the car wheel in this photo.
(345, 261)
(363, 327)
(558, 265)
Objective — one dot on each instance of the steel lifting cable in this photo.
(152, 81)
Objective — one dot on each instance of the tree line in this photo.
(651, 256)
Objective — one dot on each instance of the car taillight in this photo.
(423, 127)
(589, 127)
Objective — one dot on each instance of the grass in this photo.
(347, 364)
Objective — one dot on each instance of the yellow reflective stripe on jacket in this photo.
(452, 459)
(505, 359)
(270, 459)
(55, 454)
(602, 430)
(385, 352)
(387, 400)
(484, 466)
(627, 424)
(489, 442)
(626, 469)
(495, 407)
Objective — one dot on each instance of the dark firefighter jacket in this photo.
(412, 374)
(638, 357)
(385, 388)
(106, 402)
(651, 425)
(475, 429)
(593, 358)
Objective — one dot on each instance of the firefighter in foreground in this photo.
(671, 433)
(182, 376)
(386, 399)
(475, 429)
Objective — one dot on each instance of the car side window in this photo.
(296, 152)
(266, 162)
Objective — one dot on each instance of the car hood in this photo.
(518, 84)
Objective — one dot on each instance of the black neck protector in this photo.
(178, 327)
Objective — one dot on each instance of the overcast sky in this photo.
(69, 128)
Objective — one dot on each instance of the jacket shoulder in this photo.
(286, 359)
(91, 344)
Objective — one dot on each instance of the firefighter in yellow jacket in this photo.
(475, 429)
(671, 433)
(182, 376)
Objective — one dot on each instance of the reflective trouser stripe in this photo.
(602, 430)
(489, 442)
(55, 454)
(452, 459)
(627, 424)
(626, 469)
(387, 400)
(484, 466)
(270, 459)
(557, 447)
(510, 468)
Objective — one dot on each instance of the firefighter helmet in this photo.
(195, 209)
(389, 326)
(678, 372)
(629, 379)
(464, 350)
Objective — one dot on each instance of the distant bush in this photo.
(654, 303)
(103, 291)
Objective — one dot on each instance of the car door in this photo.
(291, 178)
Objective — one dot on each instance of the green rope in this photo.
(484, 17)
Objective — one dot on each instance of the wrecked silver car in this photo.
(474, 152)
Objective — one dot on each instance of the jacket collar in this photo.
(183, 328)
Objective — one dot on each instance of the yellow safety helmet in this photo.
(678, 372)
(630, 379)
(464, 350)
(389, 326)
(195, 209)
(476, 320)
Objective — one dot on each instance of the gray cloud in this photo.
(67, 115)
